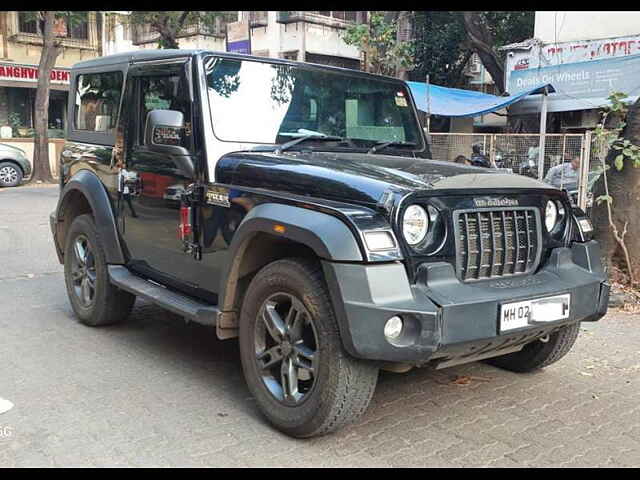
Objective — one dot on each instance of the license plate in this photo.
(536, 311)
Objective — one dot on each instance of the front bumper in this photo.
(453, 322)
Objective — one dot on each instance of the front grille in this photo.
(495, 243)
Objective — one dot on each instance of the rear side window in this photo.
(97, 98)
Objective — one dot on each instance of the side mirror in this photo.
(164, 133)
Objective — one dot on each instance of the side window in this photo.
(97, 100)
(161, 93)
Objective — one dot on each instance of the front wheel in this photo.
(292, 356)
(539, 353)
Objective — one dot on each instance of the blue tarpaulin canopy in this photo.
(453, 102)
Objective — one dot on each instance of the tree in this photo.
(381, 40)
(446, 40)
(441, 51)
(616, 222)
(169, 24)
(51, 47)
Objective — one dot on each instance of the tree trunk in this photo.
(624, 187)
(482, 43)
(50, 51)
(403, 22)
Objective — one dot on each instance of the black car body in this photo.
(188, 220)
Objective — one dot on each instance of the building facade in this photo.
(20, 49)
(586, 56)
(309, 36)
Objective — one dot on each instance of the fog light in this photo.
(393, 328)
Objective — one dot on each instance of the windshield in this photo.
(256, 102)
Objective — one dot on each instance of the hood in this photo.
(355, 177)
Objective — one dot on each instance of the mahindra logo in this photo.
(495, 202)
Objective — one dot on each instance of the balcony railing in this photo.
(332, 19)
(258, 19)
(145, 34)
(36, 39)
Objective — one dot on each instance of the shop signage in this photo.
(583, 73)
(239, 37)
(29, 73)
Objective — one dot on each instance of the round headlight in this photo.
(415, 224)
(550, 215)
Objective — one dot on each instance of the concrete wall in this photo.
(554, 26)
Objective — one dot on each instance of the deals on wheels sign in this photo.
(583, 74)
(29, 73)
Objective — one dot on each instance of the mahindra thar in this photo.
(296, 207)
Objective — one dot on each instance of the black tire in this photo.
(341, 387)
(10, 174)
(104, 304)
(538, 354)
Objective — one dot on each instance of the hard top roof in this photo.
(161, 54)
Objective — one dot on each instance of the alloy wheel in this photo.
(286, 348)
(83, 271)
(8, 175)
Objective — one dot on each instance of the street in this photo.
(155, 391)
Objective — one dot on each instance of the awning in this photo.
(454, 102)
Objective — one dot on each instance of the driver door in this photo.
(149, 207)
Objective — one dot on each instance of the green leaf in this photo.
(619, 162)
(627, 152)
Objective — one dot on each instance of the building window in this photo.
(27, 23)
(97, 101)
(75, 26)
(349, 16)
(292, 55)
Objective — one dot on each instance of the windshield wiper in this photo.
(291, 143)
(382, 145)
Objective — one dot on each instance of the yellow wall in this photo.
(22, 52)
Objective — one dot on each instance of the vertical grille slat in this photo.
(504, 242)
(492, 261)
(497, 242)
(481, 245)
(517, 240)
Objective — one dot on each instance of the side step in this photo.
(177, 303)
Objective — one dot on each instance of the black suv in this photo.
(294, 206)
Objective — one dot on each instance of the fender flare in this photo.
(326, 235)
(96, 194)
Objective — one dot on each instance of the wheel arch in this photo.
(298, 232)
(85, 193)
(13, 162)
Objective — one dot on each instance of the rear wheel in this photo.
(539, 353)
(292, 356)
(93, 298)
(10, 174)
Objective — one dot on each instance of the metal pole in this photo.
(543, 132)
(428, 105)
(584, 171)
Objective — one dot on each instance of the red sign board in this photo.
(29, 73)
